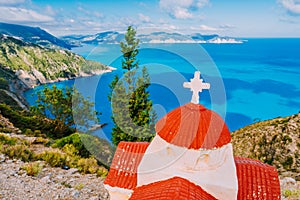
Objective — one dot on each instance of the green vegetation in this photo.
(273, 142)
(132, 115)
(33, 168)
(51, 121)
(5, 139)
(74, 140)
(291, 194)
(3, 83)
(19, 151)
(34, 125)
(8, 100)
(69, 156)
(68, 149)
(63, 105)
(87, 145)
(52, 63)
(55, 157)
(5, 76)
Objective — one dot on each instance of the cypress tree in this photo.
(132, 109)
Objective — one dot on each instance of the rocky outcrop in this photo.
(275, 142)
(35, 78)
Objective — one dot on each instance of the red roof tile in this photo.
(174, 188)
(123, 170)
(256, 180)
(193, 126)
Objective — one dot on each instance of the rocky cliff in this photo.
(34, 64)
(275, 142)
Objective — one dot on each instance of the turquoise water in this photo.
(254, 81)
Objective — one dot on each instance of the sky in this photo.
(238, 18)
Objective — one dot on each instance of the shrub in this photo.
(38, 133)
(70, 150)
(87, 165)
(102, 172)
(74, 140)
(87, 145)
(291, 194)
(71, 155)
(33, 169)
(19, 151)
(40, 140)
(5, 129)
(28, 132)
(5, 139)
(53, 158)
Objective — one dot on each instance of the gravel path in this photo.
(51, 183)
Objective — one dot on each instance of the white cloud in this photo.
(292, 6)
(182, 13)
(226, 26)
(14, 14)
(182, 9)
(206, 28)
(144, 18)
(202, 3)
(11, 2)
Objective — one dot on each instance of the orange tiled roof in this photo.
(123, 170)
(193, 126)
(174, 188)
(256, 180)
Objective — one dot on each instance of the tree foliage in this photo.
(132, 108)
(32, 124)
(66, 107)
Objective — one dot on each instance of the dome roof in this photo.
(194, 127)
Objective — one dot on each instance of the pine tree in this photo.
(132, 109)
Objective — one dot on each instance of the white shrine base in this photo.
(213, 170)
(116, 193)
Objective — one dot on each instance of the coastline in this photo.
(35, 78)
(25, 81)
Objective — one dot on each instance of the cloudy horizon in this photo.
(268, 18)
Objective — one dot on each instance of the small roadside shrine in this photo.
(191, 158)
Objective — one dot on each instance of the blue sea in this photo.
(250, 82)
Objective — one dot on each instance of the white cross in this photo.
(196, 85)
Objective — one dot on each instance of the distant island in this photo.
(113, 37)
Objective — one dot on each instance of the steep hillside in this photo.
(32, 34)
(276, 142)
(34, 65)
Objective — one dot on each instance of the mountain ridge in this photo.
(34, 35)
